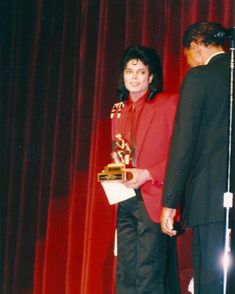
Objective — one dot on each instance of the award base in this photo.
(114, 172)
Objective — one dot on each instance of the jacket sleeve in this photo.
(184, 138)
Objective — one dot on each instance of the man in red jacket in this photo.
(143, 120)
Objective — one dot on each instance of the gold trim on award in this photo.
(121, 157)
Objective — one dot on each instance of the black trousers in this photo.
(142, 264)
(208, 248)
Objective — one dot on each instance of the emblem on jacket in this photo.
(117, 109)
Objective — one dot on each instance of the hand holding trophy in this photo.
(121, 156)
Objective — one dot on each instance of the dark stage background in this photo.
(59, 74)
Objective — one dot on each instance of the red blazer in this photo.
(152, 145)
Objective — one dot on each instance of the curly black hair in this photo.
(205, 32)
(151, 59)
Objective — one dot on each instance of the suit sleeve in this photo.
(184, 138)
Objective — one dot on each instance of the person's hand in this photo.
(167, 221)
(139, 177)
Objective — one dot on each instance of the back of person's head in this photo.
(206, 33)
(151, 59)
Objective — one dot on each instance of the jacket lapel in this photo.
(144, 122)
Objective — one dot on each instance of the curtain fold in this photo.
(59, 74)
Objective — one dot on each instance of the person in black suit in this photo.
(197, 165)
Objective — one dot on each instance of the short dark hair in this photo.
(205, 32)
(151, 59)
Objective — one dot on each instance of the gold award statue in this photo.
(121, 156)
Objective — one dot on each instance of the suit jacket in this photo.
(197, 167)
(151, 145)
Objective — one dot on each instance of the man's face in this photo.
(193, 55)
(136, 78)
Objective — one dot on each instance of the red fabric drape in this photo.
(59, 65)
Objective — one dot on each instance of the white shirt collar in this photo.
(217, 53)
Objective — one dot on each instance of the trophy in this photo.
(121, 158)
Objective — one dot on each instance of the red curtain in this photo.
(59, 74)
